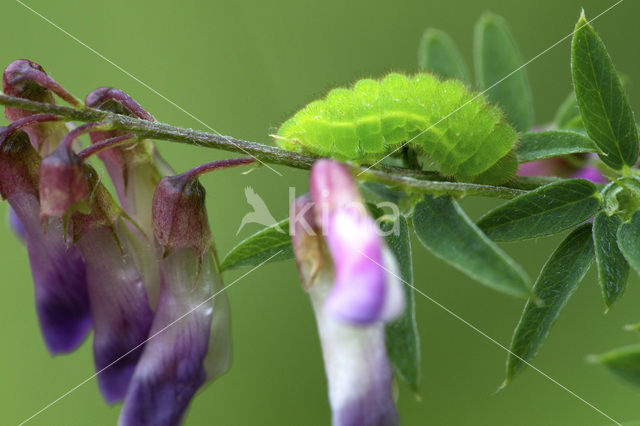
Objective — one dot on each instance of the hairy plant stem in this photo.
(414, 181)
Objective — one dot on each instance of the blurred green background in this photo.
(243, 67)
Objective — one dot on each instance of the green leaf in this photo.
(556, 283)
(538, 145)
(613, 269)
(549, 209)
(496, 57)
(403, 341)
(629, 241)
(438, 54)
(443, 228)
(568, 115)
(604, 107)
(622, 362)
(260, 247)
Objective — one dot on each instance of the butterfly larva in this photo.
(375, 117)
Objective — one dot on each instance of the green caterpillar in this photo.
(375, 117)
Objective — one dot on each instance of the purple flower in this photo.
(190, 340)
(351, 279)
(120, 307)
(579, 167)
(58, 271)
(26, 79)
(121, 313)
(135, 167)
(363, 291)
(591, 173)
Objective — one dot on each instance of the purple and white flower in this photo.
(58, 271)
(351, 278)
(120, 307)
(190, 341)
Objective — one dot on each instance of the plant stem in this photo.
(416, 181)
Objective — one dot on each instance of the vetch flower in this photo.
(592, 173)
(58, 271)
(190, 340)
(573, 165)
(26, 79)
(135, 166)
(350, 276)
(120, 308)
(363, 291)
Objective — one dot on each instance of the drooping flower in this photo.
(26, 79)
(120, 308)
(190, 340)
(135, 166)
(351, 279)
(58, 271)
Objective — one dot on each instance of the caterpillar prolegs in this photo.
(375, 117)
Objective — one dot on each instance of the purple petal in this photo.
(358, 371)
(546, 167)
(16, 225)
(60, 286)
(359, 291)
(591, 173)
(185, 348)
(332, 187)
(361, 286)
(355, 356)
(120, 308)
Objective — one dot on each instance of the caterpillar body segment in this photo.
(462, 133)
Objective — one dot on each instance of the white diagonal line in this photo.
(485, 335)
(489, 88)
(143, 83)
(88, 379)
